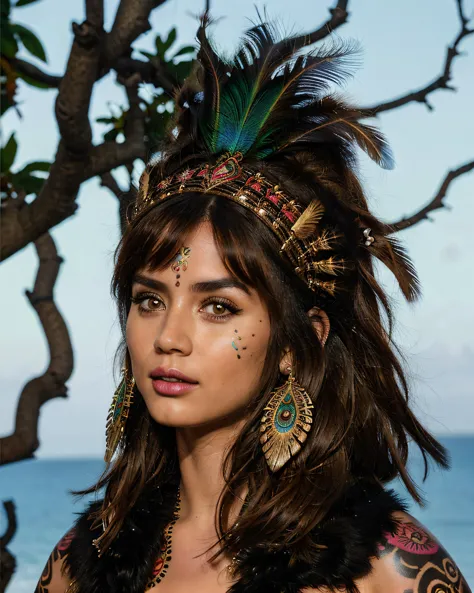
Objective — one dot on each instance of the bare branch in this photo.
(23, 442)
(24, 67)
(6, 538)
(72, 103)
(7, 560)
(441, 82)
(339, 16)
(131, 21)
(108, 180)
(156, 73)
(436, 202)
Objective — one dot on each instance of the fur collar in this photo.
(351, 534)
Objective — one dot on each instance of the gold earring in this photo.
(285, 423)
(118, 414)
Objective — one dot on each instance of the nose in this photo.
(173, 333)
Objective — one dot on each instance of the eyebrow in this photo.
(204, 286)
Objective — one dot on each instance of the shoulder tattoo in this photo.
(418, 556)
(59, 552)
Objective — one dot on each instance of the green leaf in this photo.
(29, 183)
(146, 54)
(35, 166)
(8, 44)
(30, 41)
(106, 120)
(187, 49)
(24, 3)
(111, 135)
(5, 9)
(171, 38)
(8, 154)
(181, 70)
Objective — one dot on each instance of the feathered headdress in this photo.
(241, 122)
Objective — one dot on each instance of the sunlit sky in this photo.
(404, 46)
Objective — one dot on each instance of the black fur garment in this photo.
(351, 534)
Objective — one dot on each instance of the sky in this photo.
(404, 45)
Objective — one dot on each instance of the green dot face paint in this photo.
(235, 341)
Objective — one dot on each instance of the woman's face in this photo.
(194, 318)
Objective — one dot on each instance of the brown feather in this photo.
(308, 221)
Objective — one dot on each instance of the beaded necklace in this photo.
(161, 566)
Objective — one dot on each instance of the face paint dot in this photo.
(178, 275)
(244, 348)
(235, 330)
(177, 284)
(253, 335)
(238, 355)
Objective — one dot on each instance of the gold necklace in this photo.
(161, 566)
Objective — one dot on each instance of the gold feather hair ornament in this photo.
(271, 103)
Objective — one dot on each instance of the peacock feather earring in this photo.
(285, 423)
(118, 414)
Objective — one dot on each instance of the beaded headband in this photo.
(293, 224)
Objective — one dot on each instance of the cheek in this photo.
(139, 341)
(236, 360)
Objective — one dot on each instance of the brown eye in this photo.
(147, 303)
(219, 309)
(152, 303)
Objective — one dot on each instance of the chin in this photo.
(176, 413)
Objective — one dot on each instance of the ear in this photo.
(321, 323)
(321, 326)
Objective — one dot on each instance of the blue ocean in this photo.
(45, 509)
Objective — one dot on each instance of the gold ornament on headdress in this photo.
(293, 223)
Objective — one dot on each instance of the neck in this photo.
(201, 454)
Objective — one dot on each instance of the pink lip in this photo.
(173, 373)
(171, 388)
(167, 388)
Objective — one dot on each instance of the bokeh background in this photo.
(404, 46)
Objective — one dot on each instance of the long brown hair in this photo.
(362, 419)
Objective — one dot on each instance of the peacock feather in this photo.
(270, 98)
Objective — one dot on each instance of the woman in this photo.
(263, 406)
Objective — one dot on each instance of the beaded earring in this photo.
(285, 423)
(118, 414)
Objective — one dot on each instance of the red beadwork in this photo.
(289, 215)
(272, 197)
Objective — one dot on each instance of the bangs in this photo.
(249, 251)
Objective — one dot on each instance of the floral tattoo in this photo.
(418, 556)
(59, 552)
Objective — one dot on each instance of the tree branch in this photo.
(125, 197)
(72, 103)
(131, 21)
(442, 82)
(155, 73)
(339, 16)
(7, 560)
(23, 442)
(436, 203)
(24, 67)
(9, 508)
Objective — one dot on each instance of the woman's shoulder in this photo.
(54, 578)
(412, 560)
